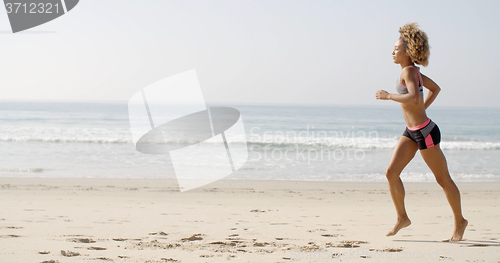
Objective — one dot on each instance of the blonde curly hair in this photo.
(417, 44)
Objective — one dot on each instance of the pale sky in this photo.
(277, 52)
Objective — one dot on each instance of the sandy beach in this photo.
(149, 220)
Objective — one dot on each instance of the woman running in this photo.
(421, 133)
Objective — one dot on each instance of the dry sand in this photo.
(149, 220)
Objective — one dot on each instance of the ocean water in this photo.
(322, 143)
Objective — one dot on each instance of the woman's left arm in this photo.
(433, 88)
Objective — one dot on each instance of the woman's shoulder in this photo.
(411, 68)
(410, 71)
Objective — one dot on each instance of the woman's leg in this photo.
(436, 161)
(403, 153)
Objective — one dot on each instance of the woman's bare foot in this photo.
(402, 223)
(458, 233)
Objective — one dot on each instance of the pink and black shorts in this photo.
(425, 135)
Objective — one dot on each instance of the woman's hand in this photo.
(382, 95)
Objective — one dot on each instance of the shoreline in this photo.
(244, 180)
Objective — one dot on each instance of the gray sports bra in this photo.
(401, 89)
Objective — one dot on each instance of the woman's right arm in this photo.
(433, 88)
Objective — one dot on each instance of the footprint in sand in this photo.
(193, 238)
(68, 253)
(347, 244)
(390, 250)
(81, 240)
(169, 259)
(260, 244)
(96, 248)
(159, 233)
(331, 235)
(104, 258)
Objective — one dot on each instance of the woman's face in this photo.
(399, 54)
